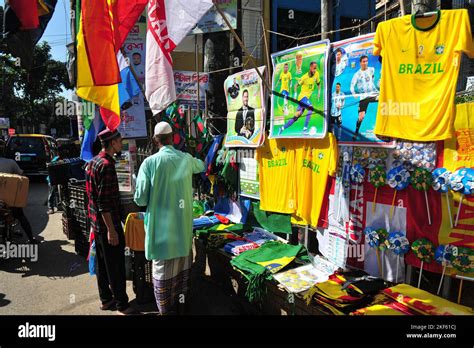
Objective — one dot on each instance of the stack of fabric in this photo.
(250, 241)
(258, 265)
(423, 302)
(383, 305)
(346, 292)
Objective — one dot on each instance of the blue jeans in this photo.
(52, 196)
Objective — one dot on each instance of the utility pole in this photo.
(325, 18)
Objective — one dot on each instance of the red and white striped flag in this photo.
(169, 21)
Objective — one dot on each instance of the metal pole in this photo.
(241, 44)
(324, 19)
(196, 54)
(267, 51)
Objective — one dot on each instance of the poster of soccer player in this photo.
(355, 76)
(245, 109)
(299, 97)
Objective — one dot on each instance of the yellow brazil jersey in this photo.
(276, 166)
(285, 81)
(308, 84)
(420, 65)
(315, 160)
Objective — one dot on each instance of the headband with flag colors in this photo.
(103, 28)
(169, 21)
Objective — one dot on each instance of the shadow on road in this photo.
(53, 262)
(3, 301)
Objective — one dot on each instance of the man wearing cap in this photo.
(104, 214)
(164, 186)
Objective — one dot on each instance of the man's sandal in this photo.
(108, 305)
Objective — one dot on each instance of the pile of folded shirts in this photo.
(250, 241)
(423, 302)
(345, 292)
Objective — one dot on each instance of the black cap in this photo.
(107, 135)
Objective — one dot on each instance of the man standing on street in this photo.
(104, 214)
(164, 186)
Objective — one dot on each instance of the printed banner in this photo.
(355, 76)
(212, 21)
(245, 109)
(299, 92)
(132, 113)
(186, 88)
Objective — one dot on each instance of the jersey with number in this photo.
(276, 165)
(338, 100)
(315, 160)
(285, 81)
(421, 59)
(362, 83)
(308, 83)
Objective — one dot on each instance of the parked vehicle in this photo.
(32, 152)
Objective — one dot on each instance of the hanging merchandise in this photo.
(354, 93)
(413, 155)
(377, 177)
(374, 240)
(370, 157)
(315, 161)
(399, 245)
(444, 256)
(211, 155)
(174, 115)
(245, 109)
(464, 260)
(440, 184)
(201, 133)
(462, 181)
(272, 222)
(343, 185)
(398, 178)
(277, 165)
(421, 180)
(299, 92)
(248, 175)
(423, 250)
(357, 176)
(421, 60)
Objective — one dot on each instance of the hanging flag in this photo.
(24, 23)
(90, 136)
(169, 21)
(98, 69)
(26, 12)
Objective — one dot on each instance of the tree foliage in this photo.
(29, 97)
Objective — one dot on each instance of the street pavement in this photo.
(59, 282)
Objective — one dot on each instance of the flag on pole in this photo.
(169, 21)
(90, 135)
(103, 28)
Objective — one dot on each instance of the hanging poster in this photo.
(245, 109)
(299, 97)
(355, 76)
(248, 174)
(213, 22)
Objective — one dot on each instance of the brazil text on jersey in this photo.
(427, 68)
(277, 163)
(311, 165)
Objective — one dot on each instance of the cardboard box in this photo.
(14, 189)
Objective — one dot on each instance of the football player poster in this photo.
(355, 87)
(299, 92)
(245, 109)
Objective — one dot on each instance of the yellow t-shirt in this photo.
(315, 160)
(420, 65)
(276, 166)
(307, 85)
(285, 81)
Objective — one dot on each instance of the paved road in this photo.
(59, 283)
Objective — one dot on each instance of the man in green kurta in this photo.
(164, 186)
